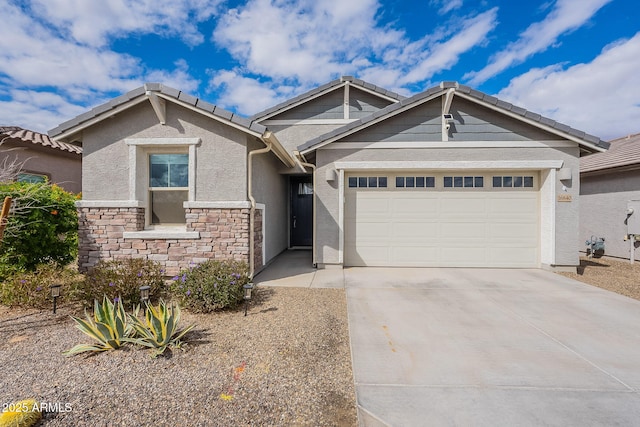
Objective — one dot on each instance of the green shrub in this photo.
(42, 227)
(159, 330)
(212, 285)
(122, 278)
(32, 289)
(109, 326)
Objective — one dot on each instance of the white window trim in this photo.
(139, 149)
(135, 152)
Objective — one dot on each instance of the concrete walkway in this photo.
(295, 269)
(482, 347)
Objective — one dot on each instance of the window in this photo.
(415, 182)
(513, 181)
(168, 187)
(463, 181)
(367, 182)
(32, 178)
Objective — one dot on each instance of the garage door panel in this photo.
(442, 227)
(460, 206)
(409, 231)
(368, 254)
(413, 256)
(463, 230)
(513, 257)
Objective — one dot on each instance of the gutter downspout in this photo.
(297, 157)
(252, 211)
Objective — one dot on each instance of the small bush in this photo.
(212, 285)
(32, 289)
(42, 227)
(122, 278)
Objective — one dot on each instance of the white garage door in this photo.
(442, 220)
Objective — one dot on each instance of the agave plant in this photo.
(159, 330)
(109, 326)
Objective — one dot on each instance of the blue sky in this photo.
(576, 61)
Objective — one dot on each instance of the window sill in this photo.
(157, 234)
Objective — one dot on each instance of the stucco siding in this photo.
(328, 232)
(291, 136)
(270, 189)
(221, 155)
(603, 205)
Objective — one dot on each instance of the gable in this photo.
(451, 112)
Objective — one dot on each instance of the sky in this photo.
(575, 61)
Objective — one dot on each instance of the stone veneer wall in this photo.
(224, 234)
(257, 241)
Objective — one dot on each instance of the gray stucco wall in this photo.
(290, 136)
(603, 205)
(63, 168)
(221, 156)
(270, 189)
(566, 226)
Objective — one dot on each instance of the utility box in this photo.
(633, 217)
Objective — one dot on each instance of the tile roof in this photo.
(623, 152)
(507, 107)
(167, 91)
(326, 87)
(18, 134)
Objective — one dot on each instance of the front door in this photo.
(301, 219)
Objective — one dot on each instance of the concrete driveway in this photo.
(491, 347)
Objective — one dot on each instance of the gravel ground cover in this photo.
(611, 274)
(287, 363)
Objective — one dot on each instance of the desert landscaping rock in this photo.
(612, 274)
(286, 363)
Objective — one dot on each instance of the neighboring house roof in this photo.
(157, 94)
(623, 154)
(589, 142)
(18, 134)
(325, 88)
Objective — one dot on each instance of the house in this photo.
(608, 182)
(449, 177)
(41, 158)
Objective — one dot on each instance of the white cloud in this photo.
(444, 55)
(247, 95)
(35, 58)
(38, 111)
(446, 6)
(94, 22)
(309, 42)
(566, 16)
(601, 97)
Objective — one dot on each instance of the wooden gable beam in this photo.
(159, 106)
